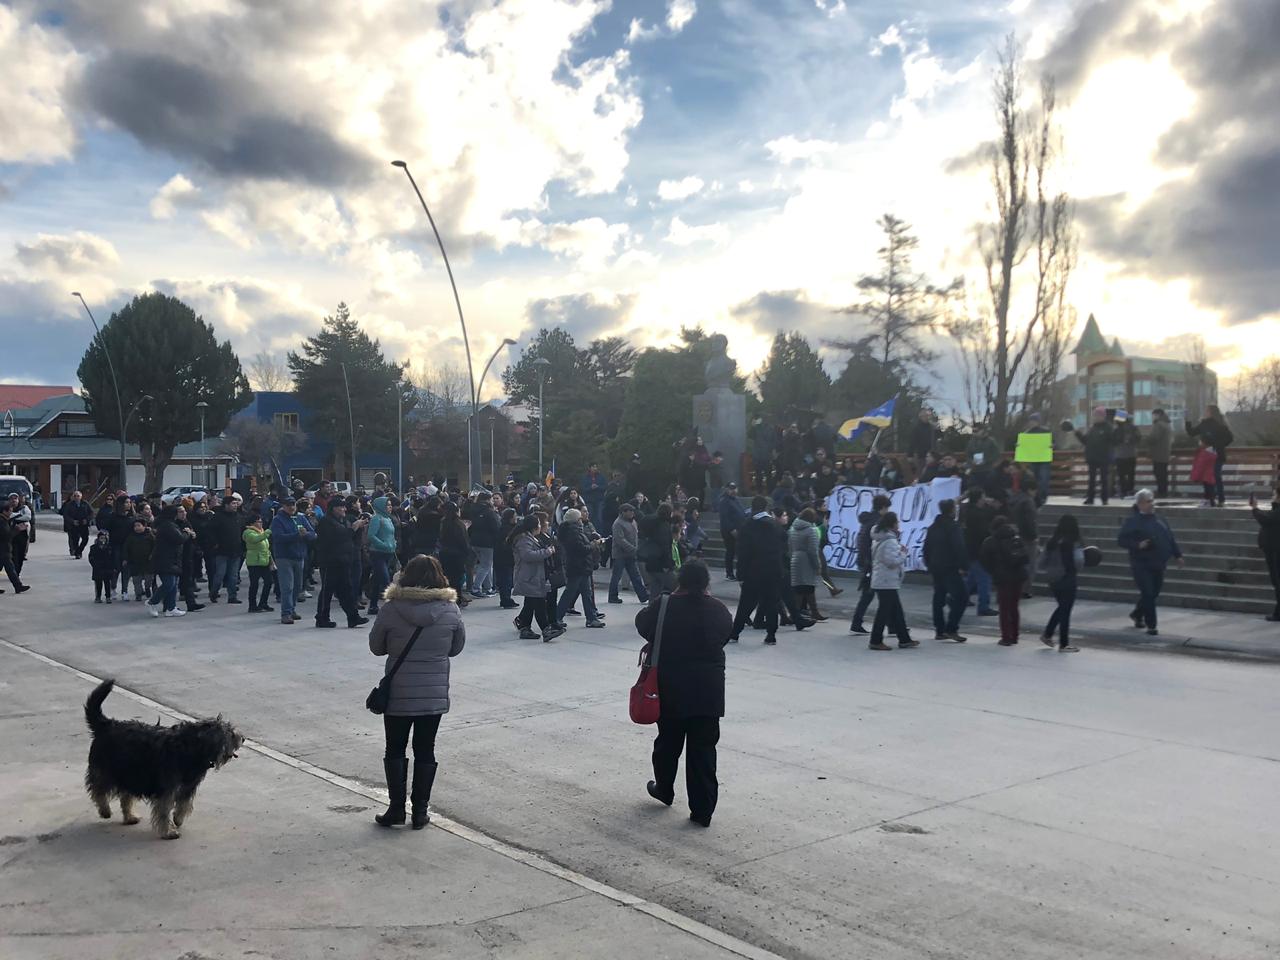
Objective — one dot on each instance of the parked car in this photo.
(171, 495)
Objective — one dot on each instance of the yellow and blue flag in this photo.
(876, 419)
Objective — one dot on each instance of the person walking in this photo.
(689, 629)
(382, 551)
(257, 557)
(946, 560)
(1269, 542)
(291, 535)
(531, 581)
(504, 560)
(483, 535)
(1005, 556)
(166, 563)
(335, 549)
(866, 523)
(1099, 444)
(888, 567)
(1214, 431)
(102, 561)
(626, 546)
(976, 517)
(76, 516)
(7, 532)
(420, 622)
(804, 544)
(1151, 545)
(761, 547)
(578, 565)
(732, 516)
(1160, 446)
(657, 551)
(1062, 559)
(138, 548)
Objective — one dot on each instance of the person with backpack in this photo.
(1151, 545)
(1062, 559)
(1005, 556)
(946, 560)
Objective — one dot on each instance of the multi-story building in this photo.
(1106, 377)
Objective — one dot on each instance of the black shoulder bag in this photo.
(380, 696)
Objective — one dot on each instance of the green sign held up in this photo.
(1034, 448)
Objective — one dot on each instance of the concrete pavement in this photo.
(950, 801)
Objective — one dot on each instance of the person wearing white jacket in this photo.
(888, 566)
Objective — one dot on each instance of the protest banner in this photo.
(916, 507)
(1034, 448)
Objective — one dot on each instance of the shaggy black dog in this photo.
(163, 765)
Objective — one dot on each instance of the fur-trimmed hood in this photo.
(420, 594)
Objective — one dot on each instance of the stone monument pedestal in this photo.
(720, 417)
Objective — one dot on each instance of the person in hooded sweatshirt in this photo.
(888, 566)
(419, 620)
(105, 567)
(382, 551)
(1005, 556)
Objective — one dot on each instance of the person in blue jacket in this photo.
(732, 516)
(382, 550)
(291, 533)
(1151, 545)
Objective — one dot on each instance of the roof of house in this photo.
(1091, 339)
(19, 396)
(59, 449)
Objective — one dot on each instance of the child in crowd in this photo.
(257, 557)
(103, 563)
(137, 555)
(1202, 472)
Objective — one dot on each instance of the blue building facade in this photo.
(318, 458)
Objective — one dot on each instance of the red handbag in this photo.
(645, 705)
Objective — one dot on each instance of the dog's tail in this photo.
(93, 714)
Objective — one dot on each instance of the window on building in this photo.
(204, 477)
(1108, 392)
(1142, 388)
(77, 428)
(287, 422)
(1142, 418)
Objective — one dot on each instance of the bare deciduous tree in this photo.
(1012, 362)
(1257, 388)
(269, 372)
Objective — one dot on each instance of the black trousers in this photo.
(1099, 476)
(1064, 591)
(1150, 581)
(696, 737)
(1273, 567)
(335, 581)
(864, 601)
(19, 550)
(948, 589)
(889, 616)
(1161, 471)
(424, 736)
(765, 594)
(260, 581)
(730, 538)
(534, 609)
(77, 539)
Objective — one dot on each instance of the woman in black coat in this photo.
(1214, 431)
(690, 688)
(455, 547)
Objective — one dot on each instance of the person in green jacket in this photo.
(257, 557)
(382, 551)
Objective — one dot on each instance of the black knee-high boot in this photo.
(397, 772)
(424, 775)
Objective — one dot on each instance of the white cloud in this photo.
(679, 13)
(683, 235)
(638, 32)
(67, 254)
(746, 186)
(36, 67)
(680, 189)
(592, 242)
(177, 192)
(789, 149)
(830, 7)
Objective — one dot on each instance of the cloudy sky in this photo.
(621, 167)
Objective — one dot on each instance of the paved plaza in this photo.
(950, 801)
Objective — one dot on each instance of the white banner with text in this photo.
(916, 507)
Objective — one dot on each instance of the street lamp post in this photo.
(204, 470)
(507, 342)
(351, 425)
(400, 438)
(115, 384)
(466, 342)
(541, 365)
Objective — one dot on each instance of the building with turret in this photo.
(1105, 376)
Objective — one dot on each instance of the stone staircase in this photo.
(1224, 570)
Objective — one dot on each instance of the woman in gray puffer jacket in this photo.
(419, 597)
(806, 561)
(530, 580)
(888, 565)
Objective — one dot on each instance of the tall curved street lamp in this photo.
(115, 384)
(542, 365)
(466, 342)
(493, 467)
(351, 425)
(203, 406)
